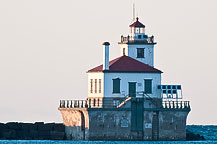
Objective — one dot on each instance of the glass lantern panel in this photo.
(137, 30)
(142, 30)
(132, 30)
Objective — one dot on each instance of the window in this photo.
(145, 36)
(142, 30)
(139, 36)
(123, 51)
(140, 52)
(148, 86)
(91, 86)
(137, 30)
(99, 85)
(95, 85)
(116, 85)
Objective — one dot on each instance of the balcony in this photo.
(96, 103)
(131, 40)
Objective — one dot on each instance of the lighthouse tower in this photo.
(138, 45)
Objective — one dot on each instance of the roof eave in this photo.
(93, 71)
(131, 72)
(137, 26)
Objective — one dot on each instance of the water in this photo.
(209, 132)
(103, 142)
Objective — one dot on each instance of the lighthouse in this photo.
(137, 44)
(126, 99)
(128, 75)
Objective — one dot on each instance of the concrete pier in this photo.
(136, 119)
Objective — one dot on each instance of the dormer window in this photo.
(140, 52)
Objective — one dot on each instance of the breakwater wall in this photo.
(32, 131)
(56, 131)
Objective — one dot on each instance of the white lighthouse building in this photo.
(131, 74)
(126, 100)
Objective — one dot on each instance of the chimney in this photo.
(106, 56)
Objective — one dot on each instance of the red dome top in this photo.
(137, 23)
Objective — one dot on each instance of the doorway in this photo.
(132, 89)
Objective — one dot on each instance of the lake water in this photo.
(102, 142)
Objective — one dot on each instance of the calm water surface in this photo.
(102, 142)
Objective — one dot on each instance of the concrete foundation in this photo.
(149, 123)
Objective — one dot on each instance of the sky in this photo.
(47, 46)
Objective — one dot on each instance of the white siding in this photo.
(131, 51)
(126, 49)
(131, 77)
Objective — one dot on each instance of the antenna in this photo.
(133, 11)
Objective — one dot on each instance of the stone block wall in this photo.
(172, 125)
(32, 131)
(115, 124)
(110, 125)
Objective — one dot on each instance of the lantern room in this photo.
(137, 31)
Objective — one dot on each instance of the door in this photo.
(137, 111)
(137, 114)
(155, 126)
(132, 89)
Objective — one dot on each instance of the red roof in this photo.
(137, 23)
(126, 64)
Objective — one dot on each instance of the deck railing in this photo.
(91, 103)
(73, 104)
(176, 104)
(129, 39)
(97, 103)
